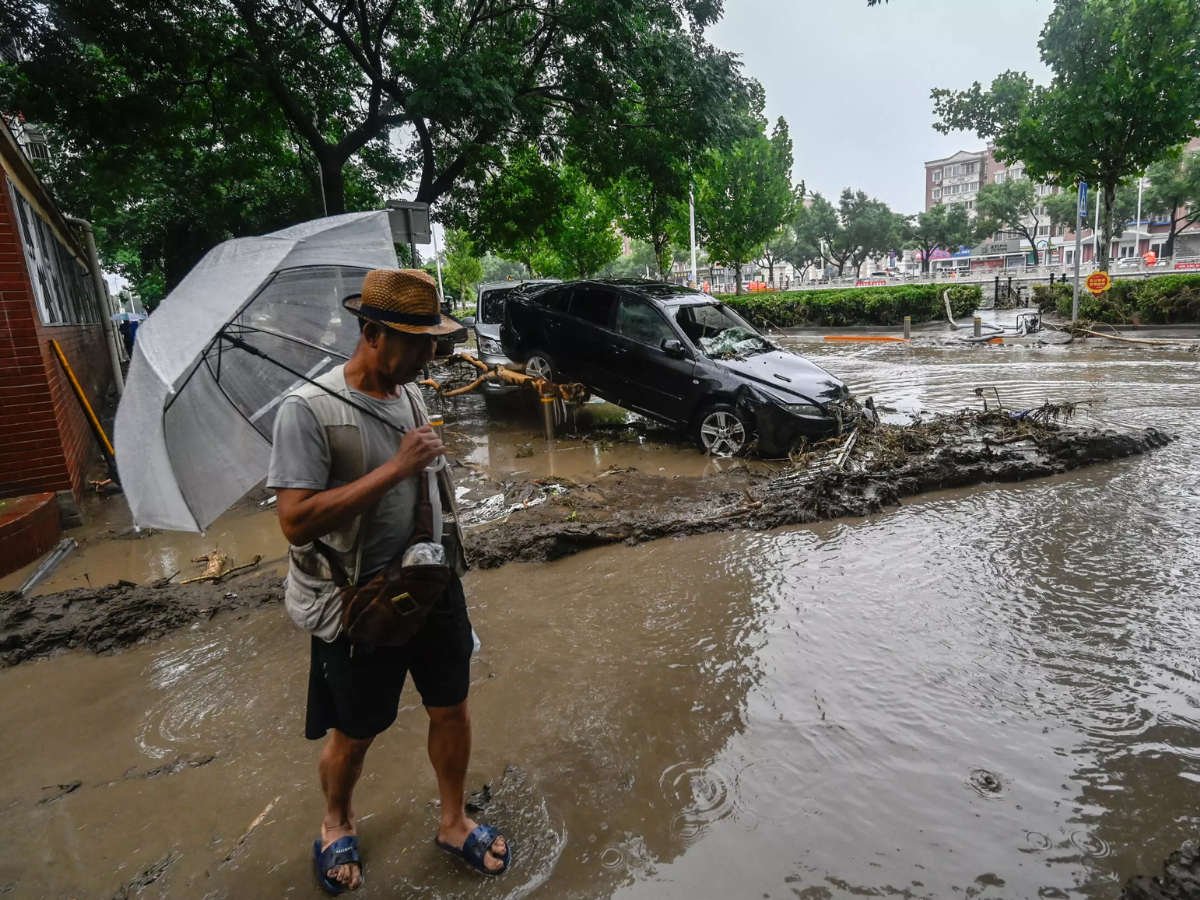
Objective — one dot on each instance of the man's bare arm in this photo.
(305, 515)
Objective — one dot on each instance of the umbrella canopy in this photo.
(128, 317)
(193, 431)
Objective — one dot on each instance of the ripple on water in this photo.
(705, 794)
(196, 685)
(986, 783)
(1090, 844)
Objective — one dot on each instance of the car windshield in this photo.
(491, 305)
(719, 332)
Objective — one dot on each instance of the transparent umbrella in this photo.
(216, 358)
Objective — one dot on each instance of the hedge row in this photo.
(856, 306)
(1159, 300)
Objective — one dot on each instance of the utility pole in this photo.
(438, 259)
(692, 225)
(1080, 218)
(1137, 228)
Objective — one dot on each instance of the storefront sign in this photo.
(1187, 265)
(998, 248)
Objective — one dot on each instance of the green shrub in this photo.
(1158, 300)
(855, 306)
(1050, 296)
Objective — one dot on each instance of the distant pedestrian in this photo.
(351, 487)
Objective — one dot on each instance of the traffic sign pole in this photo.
(1079, 220)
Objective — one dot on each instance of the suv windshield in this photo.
(719, 333)
(491, 305)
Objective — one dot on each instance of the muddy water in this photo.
(989, 693)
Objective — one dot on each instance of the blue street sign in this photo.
(1083, 199)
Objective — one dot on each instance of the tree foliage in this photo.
(946, 226)
(744, 194)
(462, 267)
(327, 105)
(859, 227)
(1125, 89)
(583, 241)
(1013, 206)
(1174, 191)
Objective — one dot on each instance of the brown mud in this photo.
(1180, 879)
(881, 468)
(110, 618)
(864, 474)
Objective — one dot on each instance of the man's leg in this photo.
(340, 766)
(450, 753)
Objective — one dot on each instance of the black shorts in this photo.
(359, 693)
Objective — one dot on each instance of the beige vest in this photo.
(312, 599)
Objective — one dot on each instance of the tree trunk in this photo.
(1169, 247)
(738, 278)
(661, 248)
(1106, 226)
(333, 185)
(771, 271)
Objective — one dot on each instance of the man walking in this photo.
(348, 460)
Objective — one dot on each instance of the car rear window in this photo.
(491, 305)
(593, 305)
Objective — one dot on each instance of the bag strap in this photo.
(340, 578)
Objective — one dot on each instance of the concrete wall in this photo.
(45, 441)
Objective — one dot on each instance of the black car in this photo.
(678, 356)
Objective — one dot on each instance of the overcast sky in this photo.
(853, 82)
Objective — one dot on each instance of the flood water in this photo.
(983, 693)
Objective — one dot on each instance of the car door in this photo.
(653, 380)
(584, 352)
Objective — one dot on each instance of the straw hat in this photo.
(403, 299)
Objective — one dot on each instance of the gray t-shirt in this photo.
(299, 459)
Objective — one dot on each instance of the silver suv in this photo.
(488, 316)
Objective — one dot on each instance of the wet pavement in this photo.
(984, 693)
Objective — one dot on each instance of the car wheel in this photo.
(721, 430)
(539, 365)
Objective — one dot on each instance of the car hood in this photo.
(804, 378)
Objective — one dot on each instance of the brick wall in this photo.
(45, 440)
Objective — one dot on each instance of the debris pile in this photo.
(113, 617)
(872, 468)
(1180, 879)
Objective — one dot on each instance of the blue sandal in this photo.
(342, 852)
(476, 846)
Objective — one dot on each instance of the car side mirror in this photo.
(673, 348)
(469, 321)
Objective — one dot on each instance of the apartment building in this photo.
(955, 179)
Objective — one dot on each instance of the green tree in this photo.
(778, 249)
(640, 261)
(744, 193)
(650, 209)
(584, 241)
(462, 267)
(870, 227)
(946, 226)
(306, 97)
(520, 206)
(1174, 191)
(1012, 206)
(816, 225)
(1125, 90)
